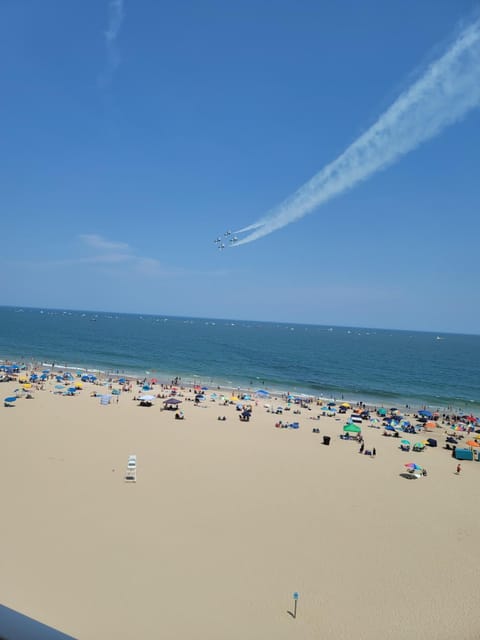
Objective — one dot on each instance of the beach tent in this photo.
(352, 428)
(172, 401)
(463, 454)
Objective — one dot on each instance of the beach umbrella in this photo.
(204, 388)
(10, 399)
(407, 442)
(78, 385)
(382, 412)
(430, 425)
(346, 405)
(233, 399)
(413, 466)
(262, 393)
(472, 443)
(59, 386)
(352, 428)
(146, 398)
(146, 387)
(425, 413)
(121, 380)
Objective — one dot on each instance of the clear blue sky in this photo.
(123, 157)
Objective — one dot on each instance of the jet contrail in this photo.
(116, 14)
(445, 93)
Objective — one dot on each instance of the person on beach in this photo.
(459, 468)
(374, 452)
(362, 447)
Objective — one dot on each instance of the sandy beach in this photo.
(226, 520)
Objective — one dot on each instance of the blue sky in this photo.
(134, 133)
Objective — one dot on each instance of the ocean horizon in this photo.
(377, 366)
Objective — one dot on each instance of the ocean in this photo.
(383, 367)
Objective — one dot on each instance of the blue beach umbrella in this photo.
(10, 399)
(425, 413)
(262, 393)
(59, 386)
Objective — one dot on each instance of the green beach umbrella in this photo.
(352, 428)
(405, 442)
(382, 412)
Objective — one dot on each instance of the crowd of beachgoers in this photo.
(107, 482)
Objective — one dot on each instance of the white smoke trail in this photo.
(116, 15)
(444, 94)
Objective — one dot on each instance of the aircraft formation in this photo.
(219, 240)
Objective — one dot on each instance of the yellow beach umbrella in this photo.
(234, 399)
(78, 385)
(346, 405)
(23, 379)
(27, 386)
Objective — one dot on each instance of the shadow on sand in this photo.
(408, 476)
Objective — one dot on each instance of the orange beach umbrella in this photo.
(473, 443)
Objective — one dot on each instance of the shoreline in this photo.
(191, 380)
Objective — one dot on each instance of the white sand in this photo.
(225, 522)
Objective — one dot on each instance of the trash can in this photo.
(326, 440)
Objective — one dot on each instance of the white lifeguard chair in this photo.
(131, 472)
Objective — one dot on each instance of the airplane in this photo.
(218, 240)
(234, 239)
(228, 233)
(221, 246)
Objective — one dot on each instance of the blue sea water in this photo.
(380, 366)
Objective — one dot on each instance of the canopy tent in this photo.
(352, 428)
